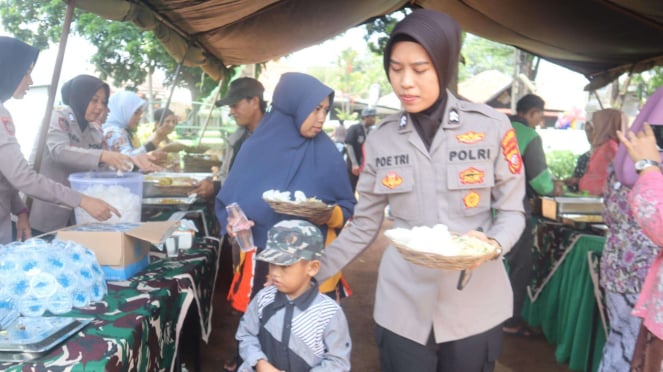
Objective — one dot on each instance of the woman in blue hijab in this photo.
(126, 109)
(288, 152)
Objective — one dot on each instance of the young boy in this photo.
(289, 325)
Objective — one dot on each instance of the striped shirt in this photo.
(309, 333)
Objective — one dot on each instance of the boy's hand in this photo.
(265, 366)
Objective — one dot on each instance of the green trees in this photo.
(125, 53)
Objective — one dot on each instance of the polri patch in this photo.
(403, 122)
(454, 118)
(470, 137)
(8, 124)
(392, 180)
(471, 199)
(511, 153)
(471, 176)
(63, 124)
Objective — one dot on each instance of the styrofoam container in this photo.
(124, 192)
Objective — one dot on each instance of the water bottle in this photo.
(241, 226)
(43, 285)
(32, 306)
(60, 302)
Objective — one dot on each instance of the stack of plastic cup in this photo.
(38, 277)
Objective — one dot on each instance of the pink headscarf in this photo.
(652, 113)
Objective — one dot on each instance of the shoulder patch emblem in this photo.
(63, 124)
(511, 153)
(403, 122)
(471, 176)
(472, 199)
(8, 124)
(392, 180)
(453, 116)
(471, 137)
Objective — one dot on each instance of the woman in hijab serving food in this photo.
(16, 62)
(440, 161)
(288, 152)
(74, 143)
(126, 109)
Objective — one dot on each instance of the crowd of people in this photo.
(441, 160)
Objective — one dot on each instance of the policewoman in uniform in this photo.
(441, 161)
(16, 62)
(74, 143)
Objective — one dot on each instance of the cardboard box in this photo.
(121, 249)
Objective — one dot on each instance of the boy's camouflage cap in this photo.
(291, 241)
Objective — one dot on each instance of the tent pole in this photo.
(177, 77)
(209, 115)
(598, 98)
(52, 89)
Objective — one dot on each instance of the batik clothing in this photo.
(646, 201)
(627, 256)
(309, 333)
(122, 107)
(628, 253)
(624, 327)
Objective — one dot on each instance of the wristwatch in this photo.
(641, 164)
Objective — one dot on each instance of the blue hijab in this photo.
(278, 157)
(122, 106)
(16, 57)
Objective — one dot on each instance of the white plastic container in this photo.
(124, 192)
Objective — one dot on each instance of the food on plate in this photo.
(171, 201)
(173, 181)
(438, 239)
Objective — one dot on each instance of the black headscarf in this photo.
(439, 35)
(77, 93)
(16, 57)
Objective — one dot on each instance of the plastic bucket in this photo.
(124, 192)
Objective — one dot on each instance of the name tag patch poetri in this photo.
(511, 153)
(471, 137)
(392, 180)
(471, 176)
(471, 199)
(8, 124)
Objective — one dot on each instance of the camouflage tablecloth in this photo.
(553, 241)
(137, 325)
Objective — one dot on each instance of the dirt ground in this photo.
(519, 354)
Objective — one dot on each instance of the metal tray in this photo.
(32, 337)
(151, 186)
(555, 208)
(178, 202)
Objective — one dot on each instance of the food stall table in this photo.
(562, 297)
(137, 326)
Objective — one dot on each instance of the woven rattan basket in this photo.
(438, 261)
(311, 209)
